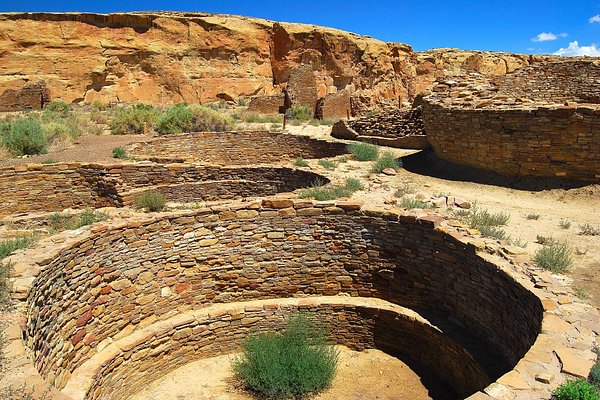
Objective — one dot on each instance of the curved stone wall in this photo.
(121, 280)
(55, 187)
(234, 148)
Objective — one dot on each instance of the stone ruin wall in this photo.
(30, 97)
(134, 276)
(518, 124)
(232, 148)
(72, 185)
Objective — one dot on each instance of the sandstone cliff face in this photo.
(175, 57)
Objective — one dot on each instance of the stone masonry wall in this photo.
(542, 141)
(234, 148)
(30, 97)
(55, 187)
(123, 279)
(206, 333)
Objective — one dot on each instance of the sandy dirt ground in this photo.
(366, 375)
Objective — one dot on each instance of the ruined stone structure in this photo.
(241, 148)
(390, 126)
(139, 298)
(541, 121)
(72, 185)
(267, 104)
(30, 97)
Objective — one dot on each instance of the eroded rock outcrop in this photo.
(197, 57)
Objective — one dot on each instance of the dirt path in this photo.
(365, 375)
(85, 149)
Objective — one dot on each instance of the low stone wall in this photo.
(121, 280)
(55, 187)
(234, 148)
(267, 104)
(126, 365)
(540, 141)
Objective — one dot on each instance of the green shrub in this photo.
(407, 188)
(554, 256)
(24, 136)
(119, 152)
(150, 201)
(479, 217)
(49, 161)
(5, 271)
(7, 246)
(328, 164)
(58, 106)
(195, 118)
(259, 118)
(587, 229)
(564, 224)
(411, 202)
(290, 364)
(533, 216)
(61, 222)
(354, 185)
(543, 239)
(131, 119)
(99, 105)
(300, 162)
(301, 113)
(595, 375)
(325, 193)
(363, 151)
(576, 390)
(492, 231)
(385, 160)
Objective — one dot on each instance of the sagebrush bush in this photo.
(354, 184)
(150, 201)
(587, 229)
(24, 136)
(328, 164)
(5, 270)
(300, 162)
(576, 390)
(119, 152)
(595, 375)
(58, 106)
(289, 364)
(554, 256)
(61, 222)
(363, 151)
(7, 246)
(385, 160)
(411, 202)
(129, 120)
(301, 113)
(325, 193)
(192, 118)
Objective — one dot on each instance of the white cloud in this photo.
(595, 18)
(548, 36)
(575, 50)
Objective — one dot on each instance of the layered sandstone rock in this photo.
(174, 57)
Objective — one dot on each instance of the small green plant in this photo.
(192, 118)
(554, 256)
(354, 184)
(533, 216)
(564, 224)
(119, 152)
(385, 160)
(405, 189)
(99, 105)
(411, 202)
(342, 159)
(49, 161)
(24, 136)
(363, 151)
(576, 390)
(518, 242)
(543, 239)
(595, 375)
(7, 246)
(301, 113)
(325, 193)
(5, 271)
(328, 164)
(58, 106)
(132, 119)
(300, 162)
(150, 201)
(589, 230)
(61, 222)
(289, 364)
(494, 232)
(580, 292)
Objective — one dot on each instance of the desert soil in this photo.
(369, 374)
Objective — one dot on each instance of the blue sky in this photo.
(569, 27)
